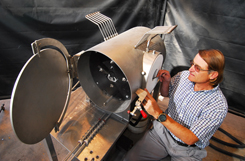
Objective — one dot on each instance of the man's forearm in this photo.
(164, 89)
(184, 134)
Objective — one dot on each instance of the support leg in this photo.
(51, 148)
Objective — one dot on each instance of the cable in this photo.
(236, 112)
(226, 152)
(230, 136)
(227, 144)
(241, 145)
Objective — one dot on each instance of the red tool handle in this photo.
(143, 113)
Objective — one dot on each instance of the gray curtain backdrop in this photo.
(217, 24)
(24, 21)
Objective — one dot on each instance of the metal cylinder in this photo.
(111, 72)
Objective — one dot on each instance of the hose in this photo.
(227, 144)
(241, 145)
(236, 112)
(226, 152)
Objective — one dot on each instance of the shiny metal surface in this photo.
(155, 31)
(80, 116)
(39, 95)
(104, 23)
(71, 64)
(113, 90)
(152, 63)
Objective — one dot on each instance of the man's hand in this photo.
(151, 105)
(178, 130)
(164, 76)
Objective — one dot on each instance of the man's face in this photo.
(201, 76)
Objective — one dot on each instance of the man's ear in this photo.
(213, 75)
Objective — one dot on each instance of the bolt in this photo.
(154, 52)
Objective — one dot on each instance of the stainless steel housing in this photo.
(112, 71)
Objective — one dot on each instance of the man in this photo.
(197, 107)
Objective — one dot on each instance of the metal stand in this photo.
(51, 148)
(82, 143)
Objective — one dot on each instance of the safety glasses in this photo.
(196, 67)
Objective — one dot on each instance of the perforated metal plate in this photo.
(39, 95)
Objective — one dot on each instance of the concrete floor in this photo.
(11, 149)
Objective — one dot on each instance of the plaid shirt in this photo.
(200, 111)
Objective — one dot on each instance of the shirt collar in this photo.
(205, 91)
